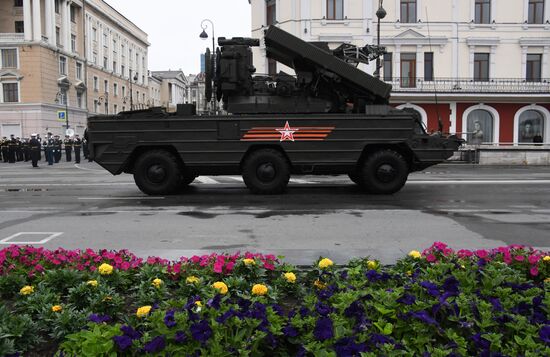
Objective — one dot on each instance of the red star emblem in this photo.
(287, 132)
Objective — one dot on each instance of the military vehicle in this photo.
(329, 118)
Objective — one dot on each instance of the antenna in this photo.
(439, 121)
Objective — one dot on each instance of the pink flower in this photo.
(218, 267)
(534, 271)
(439, 246)
(269, 266)
(229, 267)
(534, 259)
(39, 268)
(125, 266)
(481, 253)
(431, 258)
(464, 253)
(519, 258)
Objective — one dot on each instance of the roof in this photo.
(167, 74)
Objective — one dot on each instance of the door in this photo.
(408, 70)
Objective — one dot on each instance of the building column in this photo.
(67, 23)
(36, 21)
(63, 29)
(397, 61)
(419, 62)
(27, 19)
(492, 62)
(524, 61)
(545, 70)
(49, 17)
(471, 61)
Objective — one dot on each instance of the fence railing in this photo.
(11, 37)
(468, 85)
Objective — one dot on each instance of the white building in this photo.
(173, 88)
(488, 61)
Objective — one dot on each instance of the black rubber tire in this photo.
(384, 172)
(158, 172)
(356, 178)
(272, 165)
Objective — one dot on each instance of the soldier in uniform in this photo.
(12, 148)
(34, 149)
(4, 147)
(19, 149)
(40, 152)
(48, 148)
(77, 143)
(57, 148)
(26, 151)
(68, 147)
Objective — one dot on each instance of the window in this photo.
(96, 106)
(73, 43)
(387, 66)
(56, 5)
(94, 58)
(122, 70)
(428, 66)
(115, 109)
(536, 12)
(94, 34)
(96, 83)
(10, 92)
(57, 37)
(143, 96)
(408, 70)
(74, 13)
(63, 98)
(106, 86)
(63, 65)
(481, 66)
(271, 12)
(408, 11)
(19, 26)
(105, 39)
(480, 127)
(533, 72)
(335, 9)
(483, 11)
(123, 91)
(271, 67)
(531, 127)
(18, 3)
(114, 67)
(115, 88)
(123, 108)
(79, 99)
(78, 70)
(9, 58)
(105, 62)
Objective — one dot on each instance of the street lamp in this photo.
(59, 97)
(380, 14)
(204, 36)
(135, 78)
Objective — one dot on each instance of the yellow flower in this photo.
(319, 285)
(143, 311)
(409, 273)
(92, 283)
(198, 303)
(546, 258)
(192, 279)
(547, 280)
(415, 254)
(325, 263)
(290, 277)
(107, 298)
(462, 267)
(105, 269)
(371, 264)
(26, 290)
(57, 308)
(248, 261)
(222, 288)
(259, 289)
(157, 283)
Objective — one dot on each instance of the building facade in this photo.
(173, 88)
(486, 66)
(77, 57)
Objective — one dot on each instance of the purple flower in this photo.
(278, 309)
(450, 285)
(480, 342)
(201, 331)
(355, 309)
(99, 318)
(130, 332)
(326, 293)
(323, 309)
(123, 342)
(497, 306)
(323, 329)
(225, 316)
(180, 337)
(304, 311)
(424, 317)
(378, 339)
(373, 276)
(214, 302)
(544, 334)
(169, 319)
(406, 299)
(290, 331)
(191, 302)
(157, 344)
(432, 288)
(346, 347)
(522, 308)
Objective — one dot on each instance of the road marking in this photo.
(86, 169)
(50, 236)
(206, 180)
(121, 198)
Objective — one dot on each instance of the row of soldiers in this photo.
(14, 149)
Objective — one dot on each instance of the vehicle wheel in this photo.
(266, 172)
(158, 172)
(384, 172)
(356, 178)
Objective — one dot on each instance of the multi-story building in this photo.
(486, 66)
(155, 87)
(173, 88)
(196, 93)
(75, 56)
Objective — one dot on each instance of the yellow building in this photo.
(80, 57)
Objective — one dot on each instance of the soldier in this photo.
(57, 148)
(68, 147)
(34, 148)
(4, 147)
(77, 143)
(48, 148)
(18, 149)
(85, 150)
(12, 148)
(40, 141)
(26, 150)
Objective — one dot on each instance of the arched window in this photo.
(531, 127)
(480, 127)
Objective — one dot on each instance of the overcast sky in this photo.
(174, 26)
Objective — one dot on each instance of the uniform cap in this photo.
(33, 134)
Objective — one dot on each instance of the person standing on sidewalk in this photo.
(48, 148)
(57, 148)
(4, 148)
(68, 147)
(12, 148)
(77, 143)
(34, 148)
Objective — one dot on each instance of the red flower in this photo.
(431, 258)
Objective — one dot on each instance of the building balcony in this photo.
(470, 86)
(11, 37)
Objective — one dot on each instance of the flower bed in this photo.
(438, 302)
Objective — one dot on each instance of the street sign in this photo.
(69, 132)
(61, 115)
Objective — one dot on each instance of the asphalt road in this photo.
(467, 206)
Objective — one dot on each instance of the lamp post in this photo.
(58, 99)
(380, 14)
(204, 36)
(135, 78)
